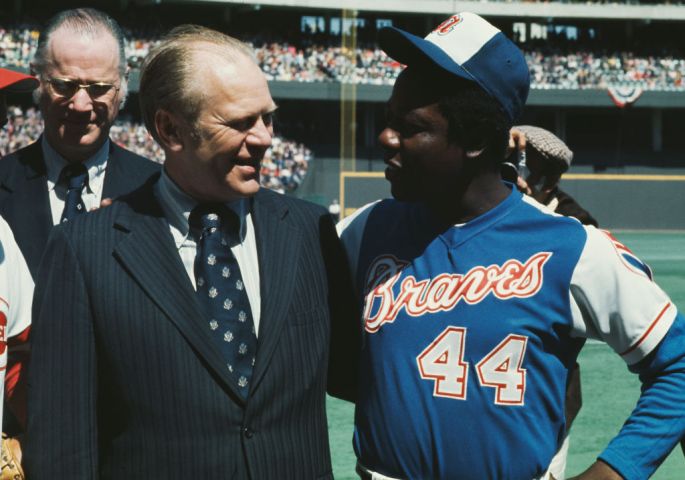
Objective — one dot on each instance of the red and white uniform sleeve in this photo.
(17, 291)
(614, 299)
(16, 295)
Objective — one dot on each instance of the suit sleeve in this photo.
(61, 440)
(345, 324)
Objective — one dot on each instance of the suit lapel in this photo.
(27, 207)
(116, 178)
(148, 253)
(278, 246)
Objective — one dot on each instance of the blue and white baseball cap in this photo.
(468, 46)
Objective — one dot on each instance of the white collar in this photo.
(96, 165)
(177, 205)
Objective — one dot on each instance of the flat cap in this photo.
(547, 144)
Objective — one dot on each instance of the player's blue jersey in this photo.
(470, 333)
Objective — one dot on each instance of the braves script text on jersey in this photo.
(470, 333)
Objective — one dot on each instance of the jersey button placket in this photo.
(248, 432)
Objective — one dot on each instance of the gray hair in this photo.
(167, 74)
(88, 22)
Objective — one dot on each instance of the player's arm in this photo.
(61, 440)
(18, 288)
(598, 471)
(658, 421)
(615, 300)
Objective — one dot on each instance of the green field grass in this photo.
(609, 389)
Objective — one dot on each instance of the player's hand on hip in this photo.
(598, 471)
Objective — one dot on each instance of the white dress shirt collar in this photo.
(96, 165)
(177, 205)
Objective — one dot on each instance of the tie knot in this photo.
(208, 216)
(74, 175)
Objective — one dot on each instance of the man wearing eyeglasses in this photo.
(73, 166)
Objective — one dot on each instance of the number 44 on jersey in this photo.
(443, 363)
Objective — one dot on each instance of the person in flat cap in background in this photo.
(16, 294)
(477, 300)
(547, 158)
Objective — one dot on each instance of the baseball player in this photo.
(16, 293)
(477, 300)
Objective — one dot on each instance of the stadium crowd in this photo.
(581, 70)
(283, 168)
(17, 45)
(283, 61)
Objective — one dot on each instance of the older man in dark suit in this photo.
(184, 331)
(82, 69)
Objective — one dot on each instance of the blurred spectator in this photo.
(547, 158)
(285, 165)
(22, 129)
(581, 70)
(17, 45)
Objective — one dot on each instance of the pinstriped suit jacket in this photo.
(125, 381)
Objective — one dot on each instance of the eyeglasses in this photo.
(63, 87)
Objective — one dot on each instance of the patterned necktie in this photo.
(75, 174)
(221, 290)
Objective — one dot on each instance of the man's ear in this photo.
(169, 127)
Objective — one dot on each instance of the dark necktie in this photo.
(74, 175)
(221, 290)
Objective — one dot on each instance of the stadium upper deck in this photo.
(569, 58)
(630, 10)
(556, 63)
